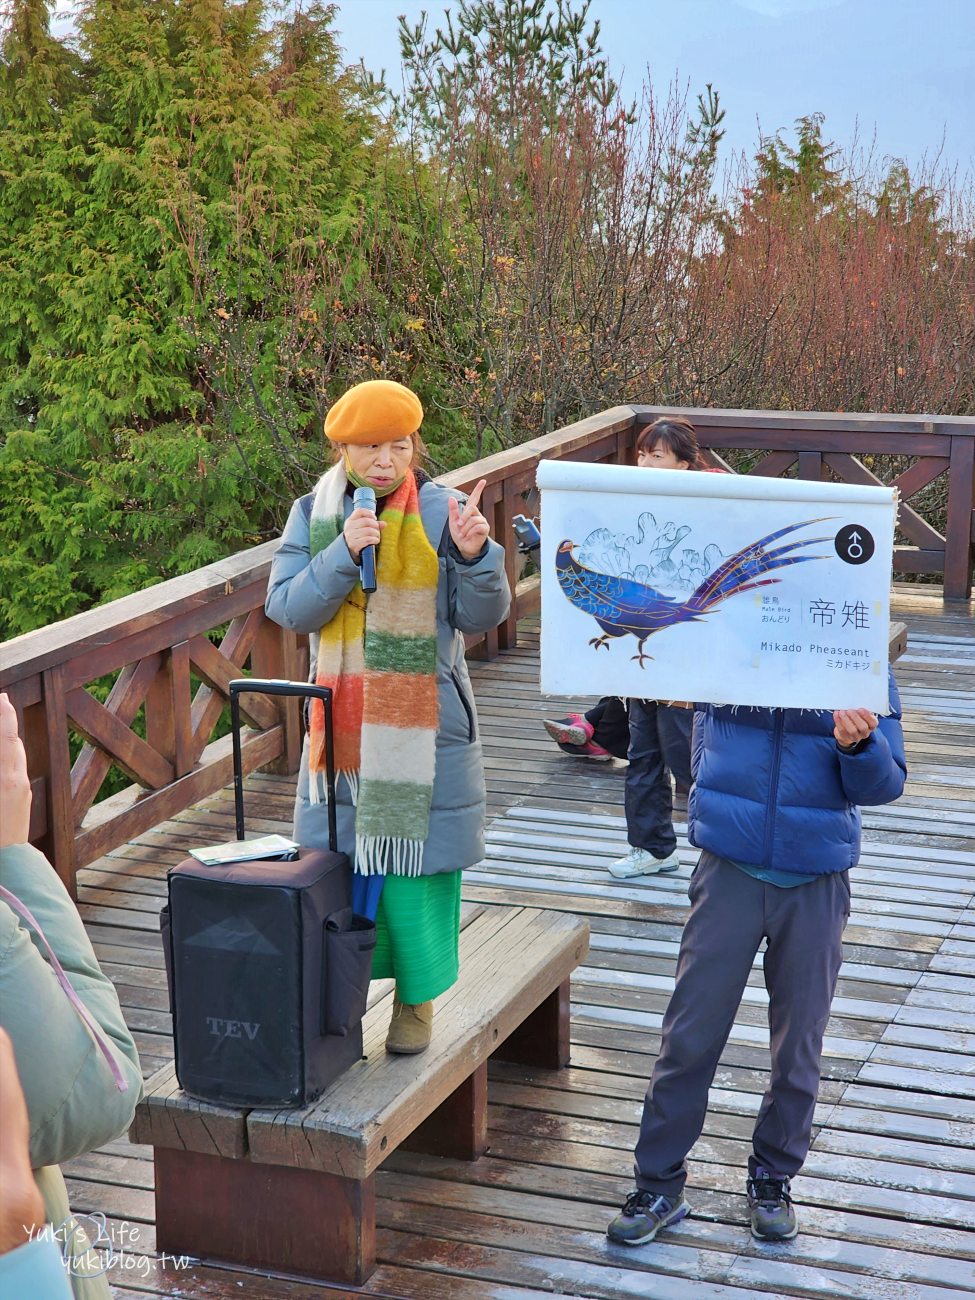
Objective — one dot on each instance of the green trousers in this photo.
(418, 934)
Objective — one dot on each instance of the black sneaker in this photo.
(773, 1218)
(642, 1217)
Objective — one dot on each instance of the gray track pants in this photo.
(730, 915)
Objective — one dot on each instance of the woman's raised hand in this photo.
(468, 527)
(15, 794)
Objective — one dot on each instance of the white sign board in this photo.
(718, 588)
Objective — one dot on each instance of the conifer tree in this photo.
(563, 214)
(175, 166)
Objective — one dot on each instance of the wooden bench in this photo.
(293, 1190)
(896, 641)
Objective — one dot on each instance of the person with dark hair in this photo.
(669, 443)
(655, 736)
(410, 796)
(775, 810)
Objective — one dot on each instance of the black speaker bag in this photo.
(268, 970)
(270, 974)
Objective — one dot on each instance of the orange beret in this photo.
(378, 410)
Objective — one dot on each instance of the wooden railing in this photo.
(156, 642)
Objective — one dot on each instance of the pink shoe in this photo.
(589, 750)
(573, 730)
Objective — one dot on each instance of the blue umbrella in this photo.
(366, 891)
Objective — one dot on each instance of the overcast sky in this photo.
(895, 74)
(898, 73)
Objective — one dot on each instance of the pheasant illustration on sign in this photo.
(720, 564)
(622, 605)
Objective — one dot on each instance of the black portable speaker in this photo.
(268, 965)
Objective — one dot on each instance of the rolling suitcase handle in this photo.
(276, 686)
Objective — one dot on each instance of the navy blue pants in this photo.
(660, 739)
(731, 913)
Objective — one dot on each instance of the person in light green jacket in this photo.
(27, 1268)
(80, 1093)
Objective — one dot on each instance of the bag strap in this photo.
(101, 1041)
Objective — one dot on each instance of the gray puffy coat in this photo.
(305, 592)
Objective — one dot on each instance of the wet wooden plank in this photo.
(474, 1212)
(715, 1192)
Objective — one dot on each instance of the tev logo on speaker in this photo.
(232, 1028)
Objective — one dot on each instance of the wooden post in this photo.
(168, 724)
(31, 725)
(275, 654)
(543, 1038)
(625, 442)
(265, 1216)
(457, 1129)
(960, 531)
(58, 841)
(811, 465)
(504, 512)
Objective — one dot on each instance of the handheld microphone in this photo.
(365, 499)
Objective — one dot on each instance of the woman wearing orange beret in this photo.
(410, 783)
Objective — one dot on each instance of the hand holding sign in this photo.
(850, 726)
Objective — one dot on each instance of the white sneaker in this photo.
(641, 862)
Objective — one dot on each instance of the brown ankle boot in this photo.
(411, 1027)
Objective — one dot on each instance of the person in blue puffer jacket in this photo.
(774, 809)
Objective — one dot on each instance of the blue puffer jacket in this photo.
(772, 788)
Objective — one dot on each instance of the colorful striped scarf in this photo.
(379, 656)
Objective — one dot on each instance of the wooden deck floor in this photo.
(887, 1197)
